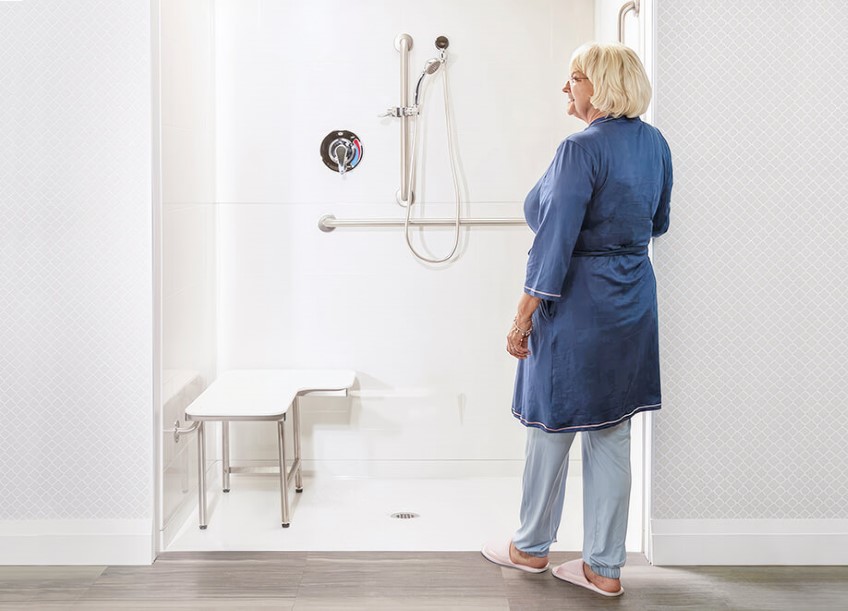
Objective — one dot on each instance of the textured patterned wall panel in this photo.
(75, 259)
(751, 96)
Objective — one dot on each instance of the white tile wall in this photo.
(435, 379)
(752, 305)
(75, 260)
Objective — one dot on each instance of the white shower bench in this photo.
(257, 395)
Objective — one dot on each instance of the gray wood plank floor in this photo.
(409, 581)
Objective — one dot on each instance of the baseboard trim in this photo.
(749, 542)
(76, 542)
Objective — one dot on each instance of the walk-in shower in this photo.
(250, 283)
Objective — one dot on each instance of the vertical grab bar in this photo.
(632, 6)
(403, 43)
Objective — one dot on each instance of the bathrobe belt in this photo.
(632, 250)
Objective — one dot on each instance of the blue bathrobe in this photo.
(594, 358)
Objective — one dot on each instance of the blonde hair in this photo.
(618, 76)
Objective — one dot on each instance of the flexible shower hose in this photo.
(410, 189)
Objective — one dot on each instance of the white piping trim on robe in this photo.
(586, 426)
(542, 293)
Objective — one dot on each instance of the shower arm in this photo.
(632, 6)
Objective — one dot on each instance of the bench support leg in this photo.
(201, 474)
(298, 481)
(184, 477)
(225, 453)
(284, 480)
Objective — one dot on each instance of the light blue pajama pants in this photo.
(606, 494)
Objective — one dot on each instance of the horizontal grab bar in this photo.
(328, 222)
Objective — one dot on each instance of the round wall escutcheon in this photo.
(341, 150)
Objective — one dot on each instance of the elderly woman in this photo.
(586, 330)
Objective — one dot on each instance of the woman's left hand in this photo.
(517, 339)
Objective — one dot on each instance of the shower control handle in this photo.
(341, 151)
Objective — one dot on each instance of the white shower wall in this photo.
(427, 343)
(188, 237)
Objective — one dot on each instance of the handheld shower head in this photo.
(431, 67)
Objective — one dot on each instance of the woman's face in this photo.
(579, 90)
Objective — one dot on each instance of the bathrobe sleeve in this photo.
(661, 216)
(564, 194)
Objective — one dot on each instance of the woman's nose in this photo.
(567, 87)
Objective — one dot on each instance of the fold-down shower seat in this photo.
(256, 395)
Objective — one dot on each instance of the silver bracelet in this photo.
(523, 332)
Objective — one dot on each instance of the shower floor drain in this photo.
(405, 515)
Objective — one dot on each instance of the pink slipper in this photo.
(499, 554)
(572, 572)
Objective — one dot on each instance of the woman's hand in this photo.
(517, 338)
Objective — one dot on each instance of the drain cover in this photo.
(405, 515)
